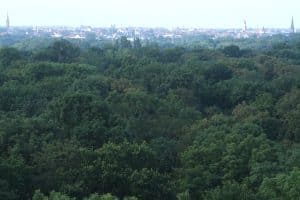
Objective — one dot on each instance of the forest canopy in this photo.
(128, 120)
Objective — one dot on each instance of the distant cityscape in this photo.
(143, 33)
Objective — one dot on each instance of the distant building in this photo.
(292, 26)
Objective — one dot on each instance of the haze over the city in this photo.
(154, 13)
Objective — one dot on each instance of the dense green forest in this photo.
(125, 120)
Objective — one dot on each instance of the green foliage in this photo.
(62, 167)
(184, 196)
(14, 174)
(288, 107)
(115, 164)
(53, 196)
(8, 55)
(59, 196)
(217, 73)
(222, 154)
(232, 51)
(60, 51)
(133, 120)
(231, 191)
(137, 44)
(283, 186)
(124, 43)
(150, 184)
(101, 197)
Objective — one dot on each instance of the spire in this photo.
(292, 26)
(7, 21)
(245, 25)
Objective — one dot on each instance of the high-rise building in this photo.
(7, 21)
(292, 26)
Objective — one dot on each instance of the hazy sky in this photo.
(153, 13)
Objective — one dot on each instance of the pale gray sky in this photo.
(153, 13)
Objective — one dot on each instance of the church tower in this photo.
(292, 26)
(7, 22)
(245, 26)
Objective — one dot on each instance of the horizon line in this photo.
(151, 27)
